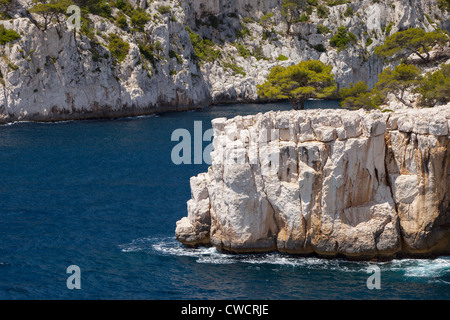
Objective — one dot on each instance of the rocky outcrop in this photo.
(338, 182)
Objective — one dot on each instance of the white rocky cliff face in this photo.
(55, 75)
(347, 183)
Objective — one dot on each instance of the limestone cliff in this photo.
(328, 182)
(54, 74)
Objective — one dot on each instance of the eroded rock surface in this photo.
(335, 182)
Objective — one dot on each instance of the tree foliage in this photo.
(398, 80)
(435, 87)
(118, 48)
(51, 10)
(203, 48)
(97, 7)
(7, 35)
(139, 19)
(290, 9)
(342, 38)
(297, 83)
(402, 44)
(358, 96)
(5, 5)
(444, 5)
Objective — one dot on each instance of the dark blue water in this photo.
(105, 196)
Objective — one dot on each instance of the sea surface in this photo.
(105, 196)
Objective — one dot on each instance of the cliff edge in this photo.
(331, 182)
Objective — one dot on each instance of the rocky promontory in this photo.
(330, 182)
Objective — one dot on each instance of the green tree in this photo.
(398, 80)
(265, 20)
(291, 11)
(122, 21)
(203, 48)
(358, 96)
(5, 5)
(7, 35)
(51, 10)
(97, 7)
(297, 83)
(118, 48)
(342, 38)
(435, 87)
(322, 12)
(402, 44)
(139, 19)
(444, 5)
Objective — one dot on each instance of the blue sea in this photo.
(105, 196)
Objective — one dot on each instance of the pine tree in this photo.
(297, 83)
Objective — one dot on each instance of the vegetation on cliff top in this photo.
(433, 88)
(416, 41)
(297, 83)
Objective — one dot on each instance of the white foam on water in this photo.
(422, 268)
(137, 245)
(169, 246)
(13, 123)
(431, 269)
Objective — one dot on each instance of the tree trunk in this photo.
(294, 104)
(400, 98)
(424, 59)
(288, 31)
(302, 104)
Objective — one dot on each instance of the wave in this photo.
(422, 268)
(144, 116)
(437, 270)
(13, 123)
(171, 247)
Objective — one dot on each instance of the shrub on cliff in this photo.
(204, 48)
(297, 83)
(265, 20)
(118, 47)
(7, 35)
(402, 44)
(163, 9)
(444, 5)
(342, 38)
(435, 87)
(322, 12)
(391, 81)
(398, 80)
(358, 96)
(395, 81)
(139, 19)
(97, 7)
(5, 5)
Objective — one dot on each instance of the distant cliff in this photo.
(362, 185)
(186, 54)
